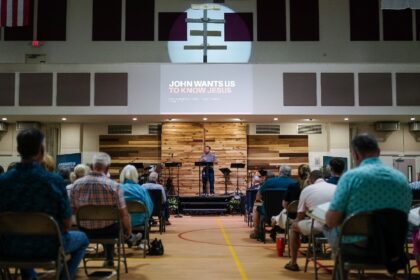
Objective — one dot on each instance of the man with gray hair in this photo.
(153, 184)
(282, 182)
(97, 189)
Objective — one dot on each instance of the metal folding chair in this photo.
(91, 213)
(27, 225)
(315, 239)
(156, 196)
(358, 225)
(136, 207)
(272, 200)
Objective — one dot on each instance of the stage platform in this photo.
(205, 205)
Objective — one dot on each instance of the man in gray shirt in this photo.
(207, 174)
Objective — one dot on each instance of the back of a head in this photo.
(153, 177)
(80, 170)
(285, 171)
(30, 143)
(101, 161)
(129, 172)
(64, 173)
(365, 145)
(315, 175)
(48, 163)
(337, 166)
(303, 171)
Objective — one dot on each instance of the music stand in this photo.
(170, 165)
(226, 172)
(200, 164)
(237, 166)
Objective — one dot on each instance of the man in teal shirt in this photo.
(371, 186)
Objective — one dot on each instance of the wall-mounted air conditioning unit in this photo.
(415, 127)
(3, 127)
(387, 126)
(306, 129)
(27, 125)
(120, 129)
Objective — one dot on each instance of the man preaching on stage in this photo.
(207, 174)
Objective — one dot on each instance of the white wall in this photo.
(334, 44)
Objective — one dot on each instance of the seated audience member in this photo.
(371, 186)
(283, 182)
(153, 184)
(65, 174)
(43, 192)
(336, 166)
(1, 170)
(134, 192)
(415, 188)
(303, 175)
(97, 189)
(317, 193)
(292, 194)
(48, 163)
(256, 183)
(80, 170)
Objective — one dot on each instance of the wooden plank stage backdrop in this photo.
(184, 142)
(271, 151)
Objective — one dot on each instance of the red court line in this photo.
(182, 236)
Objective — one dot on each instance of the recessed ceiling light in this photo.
(308, 120)
(205, 119)
(346, 119)
(134, 119)
(276, 119)
(412, 119)
(64, 119)
(4, 119)
(237, 119)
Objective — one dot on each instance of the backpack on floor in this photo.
(156, 248)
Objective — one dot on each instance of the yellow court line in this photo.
(232, 251)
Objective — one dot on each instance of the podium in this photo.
(201, 164)
(237, 166)
(226, 172)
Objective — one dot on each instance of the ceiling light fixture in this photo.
(412, 119)
(346, 119)
(205, 119)
(134, 119)
(4, 119)
(64, 119)
(276, 119)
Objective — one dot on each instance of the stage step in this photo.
(204, 205)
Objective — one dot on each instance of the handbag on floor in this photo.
(156, 248)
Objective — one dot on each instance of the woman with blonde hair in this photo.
(134, 192)
(303, 175)
(48, 163)
(80, 170)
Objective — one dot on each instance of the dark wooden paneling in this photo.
(375, 89)
(25, 33)
(337, 89)
(271, 151)
(299, 89)
(364, 20)
(239, 27)
(398, 25)
(172, 26)
(111, 89)
(107, 15)
(35, 89)
(408, 89)
(140, 20)
(271, 20)
(73, 89)
(52, 19)
(7, 89)
(304, 20)
(129, 149)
